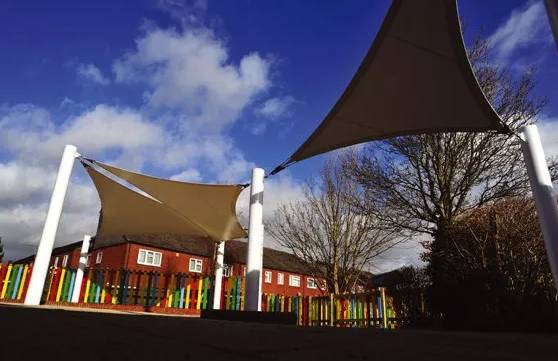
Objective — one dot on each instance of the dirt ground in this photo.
(51, 334)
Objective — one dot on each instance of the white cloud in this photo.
(278, 190)
(29, 133)
(548, 130)
(275, 107)
(186, 11)
(191, 71)
(21, 182)
(524, 27)
(188, 175)
(34, 144)
(193, 94)
(91, 73)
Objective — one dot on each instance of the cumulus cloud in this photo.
(185, 11)
(193, 94)
(188, 175)
(524, 27)
(29, 133)
(548, 130)
(91, 73)
(275, 107)
(272, 109)
(191, 71)
(278, 190)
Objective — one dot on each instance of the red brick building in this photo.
(283, 273)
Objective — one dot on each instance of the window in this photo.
(268, 276)
(311, 283)
(149, 258)
(99, 258)
(196, 265)
(87, 260)
(65, 260)
(227, 270)
(294, 281)
(280, 279)
(55, 262)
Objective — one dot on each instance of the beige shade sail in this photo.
(126, 212)
(415, 79)
(207, 207)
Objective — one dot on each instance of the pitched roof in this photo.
(235, 251)
(198, 246)
(55, 251)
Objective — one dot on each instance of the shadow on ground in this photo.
(45, 334)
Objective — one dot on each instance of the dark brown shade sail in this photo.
(178, 208)
(415, 79)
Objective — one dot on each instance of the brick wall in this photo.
(113, 257)
(73, 258)
(285, 289)
(126, 256)
(171, 262)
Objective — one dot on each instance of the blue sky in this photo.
(197, 90)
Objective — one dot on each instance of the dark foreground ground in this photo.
(43, 334)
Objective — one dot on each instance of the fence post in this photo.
(331, 308)
(384, 308)
(81, 267)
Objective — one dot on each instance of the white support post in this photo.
(254, 257)
(219, 264)
(81, 267)
(543, 192)
(44, 252)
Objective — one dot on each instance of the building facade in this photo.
(282, 274)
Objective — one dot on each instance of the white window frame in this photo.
(280, 278)
(268, 276)
(153, 254)
(227, 270)
(292, 279)
(55, 264)
(311, 283)
(197, 262)
(65, 260)
(99, 258)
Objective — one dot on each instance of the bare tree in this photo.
(1, 250)
(328, 233)
(421, 183)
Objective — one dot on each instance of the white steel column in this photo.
(543, 193)
(219, 263)
(254, 254)
(44, 252)
(81, 267)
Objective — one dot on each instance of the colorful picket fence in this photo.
(112, 287)
(131, 288)
(194, 292)
(14, 279)
(370, 309)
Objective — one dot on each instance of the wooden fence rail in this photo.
(192, 292)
